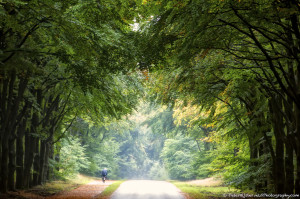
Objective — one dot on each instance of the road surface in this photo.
(147, 189)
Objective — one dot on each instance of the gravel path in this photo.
(147, 189)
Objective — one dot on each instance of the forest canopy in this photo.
(151, 89)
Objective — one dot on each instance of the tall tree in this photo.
(254, 53)
(60, 50)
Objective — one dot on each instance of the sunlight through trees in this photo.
(151, 89)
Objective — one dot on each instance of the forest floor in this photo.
(88, 191)
(82, 187)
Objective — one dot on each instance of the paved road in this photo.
(147, 189)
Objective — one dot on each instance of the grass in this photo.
(110, 189)
(200, 191)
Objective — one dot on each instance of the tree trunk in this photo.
(261, 185)
(5, 128)
(12, 164)
(291, 144)
(4, 165)
(50, 172)
(4, 88)
(289, 169)
(279, 174)
(297, 183)
(36, 163)
(0, 163)
(57, 158)
(253, 159)
(297, 132)
(198, 145)
(46, 163)
(42, 161)
(268, 150)
(279, 171)
(29, 156)
(20, 155)
(9, 122)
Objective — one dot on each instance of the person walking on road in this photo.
(104, 174)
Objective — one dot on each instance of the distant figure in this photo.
(104, 174)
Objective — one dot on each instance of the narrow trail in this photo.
(88, 191)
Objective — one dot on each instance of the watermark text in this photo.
(262, 195)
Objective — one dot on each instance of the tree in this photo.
(242, 54)
(177, 156)
(61, 50)
(72, 159)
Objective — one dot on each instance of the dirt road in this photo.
(147, 189)
(87, 191)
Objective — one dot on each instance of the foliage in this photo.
(63, 60)
(105, 156)
(227, 73)
(72, 158)
(177, 156)
(140, 149)
(158, 171)
(236, 61)
(127, 147)
(201, 165)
